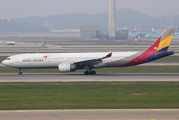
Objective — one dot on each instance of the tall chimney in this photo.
(112, 20)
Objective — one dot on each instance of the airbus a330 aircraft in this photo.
(67, 62)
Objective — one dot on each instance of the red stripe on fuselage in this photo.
(139, 59)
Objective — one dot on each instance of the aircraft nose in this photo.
(3, 62)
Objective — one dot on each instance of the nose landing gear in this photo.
(20, 73)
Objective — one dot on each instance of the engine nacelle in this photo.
(66, 67)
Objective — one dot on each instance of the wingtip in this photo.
(109, 55)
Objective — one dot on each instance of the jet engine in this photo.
(66, 67)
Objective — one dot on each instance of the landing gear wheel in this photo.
(93, 72)
(90, 73)
(20, 73)
(86, 73)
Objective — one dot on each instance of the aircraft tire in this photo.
(86, 73)
(90, 73)
(93, 72)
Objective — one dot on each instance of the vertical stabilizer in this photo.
(157, 50)
(133, 30)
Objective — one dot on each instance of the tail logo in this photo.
(155, 48)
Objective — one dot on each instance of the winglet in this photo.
(108, 55)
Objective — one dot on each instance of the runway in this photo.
(74, 77)
(91, 114)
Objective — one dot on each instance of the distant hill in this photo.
(124, 18)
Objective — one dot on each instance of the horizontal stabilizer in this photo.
(159, 55)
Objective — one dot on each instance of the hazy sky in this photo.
(25, 8)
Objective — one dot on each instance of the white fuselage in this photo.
(52, 60)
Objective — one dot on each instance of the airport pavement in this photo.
(7, 54)
(91, 114)
(77, 77)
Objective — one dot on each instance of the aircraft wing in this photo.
(93, 61)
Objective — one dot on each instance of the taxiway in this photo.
(91, 114)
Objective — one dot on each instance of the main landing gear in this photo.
(88, 70)
(90, 73)
(20, 73)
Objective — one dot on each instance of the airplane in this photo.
(9, 43)
(142, 34)
(68, 62)
(155, 35)
(133, 30)
(133, 34)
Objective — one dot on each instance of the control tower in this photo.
(112, 20)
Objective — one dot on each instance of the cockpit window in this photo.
(8, 59)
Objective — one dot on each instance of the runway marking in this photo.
(77, 80)
(20, 111)
(152, 119)
(122, 83)
(156, 110)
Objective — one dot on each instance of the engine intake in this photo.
(66, 67)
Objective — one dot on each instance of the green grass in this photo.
(133, 69)
(2, 58)
(89, 95)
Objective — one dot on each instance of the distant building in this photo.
(122, 34)
(87, 32)
(66, 31)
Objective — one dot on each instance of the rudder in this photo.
(165, 40)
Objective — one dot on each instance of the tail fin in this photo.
(153, 30)
(157, 50)
(133, 30)
(160, 47)
(166, 39)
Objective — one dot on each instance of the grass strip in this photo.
(2, 58)
(89, 95)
